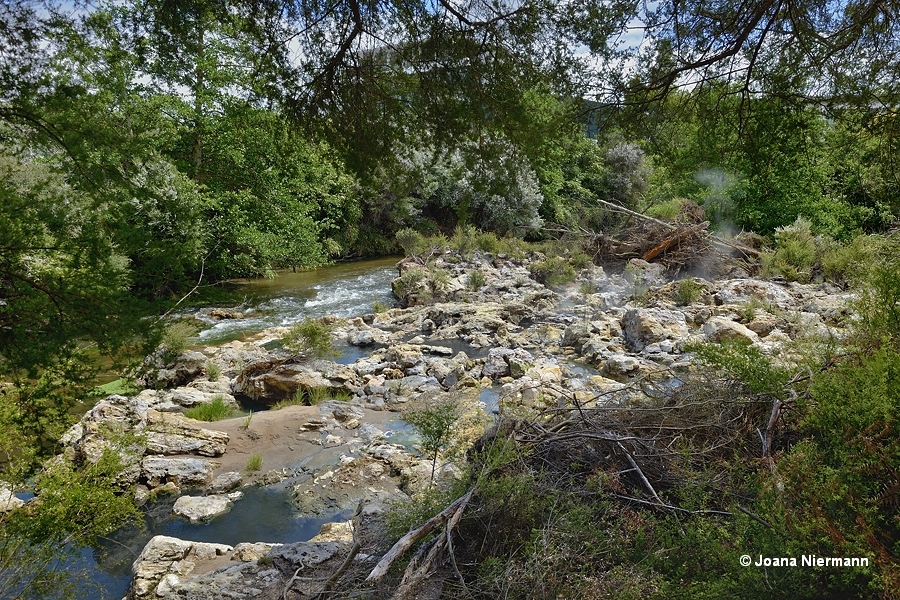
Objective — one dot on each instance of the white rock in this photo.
(202, 508)
(8, 500)
(720, 329)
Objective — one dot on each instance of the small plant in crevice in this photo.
(553, 271)
(475, 281)
(255, 462)
(213, 372)
(296, 400)
(688, 292)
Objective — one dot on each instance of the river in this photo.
(264, 514)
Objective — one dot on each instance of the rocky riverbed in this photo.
(459, 336)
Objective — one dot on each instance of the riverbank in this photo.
(601, 339)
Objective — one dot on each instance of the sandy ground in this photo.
(284, 440)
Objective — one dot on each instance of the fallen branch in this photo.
(407, 541)
(640, 473)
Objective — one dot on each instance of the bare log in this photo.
(406, 542)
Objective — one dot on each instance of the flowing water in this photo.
(343, 290)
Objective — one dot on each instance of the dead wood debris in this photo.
(683, 242)
(638, 452)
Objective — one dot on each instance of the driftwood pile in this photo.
(682, 242)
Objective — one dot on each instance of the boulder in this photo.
(642, 274)
(621, 365)
(163, 556)
(198, 509)
(720, 329)
(159, 370)
(252, 551)
(272, 380)
(185, 472)
(741, 291)
(225, 482)
(645, 326)
(173, 433)
(502, 361)
(341, 531)
(8, 500)
(361, 338)
(191, 396)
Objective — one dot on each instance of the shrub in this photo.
(553, 271)
(795, 252)
(213, 372)
(879, 303)
(295, 400)
(412, 242)
(746, 364)
(513, 247)
(408, 283)
(487, 242)
(379, 307)
(464, 240)
(435, 423)
(438, 280)
(688, 292)
(580, 260)
(665, 211)
(840, 484)
(311, 337)
(476, 280)
(216, 410)
(175, 338)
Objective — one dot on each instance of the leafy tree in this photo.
(435, 423)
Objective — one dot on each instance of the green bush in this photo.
(311, 337)
(553, 271)
(412, 242)
(665, 211)
(475, 281)
(438, 280)
(74, 509)
(688, 292)
(409, 282)
(878, 305)
(745, 364)
(435, 423)
(213, 372)
(465, 240)
(216, 410)
(487, 241)
(795, 254)
(513, 247)
(840, 484)
(580, 260)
